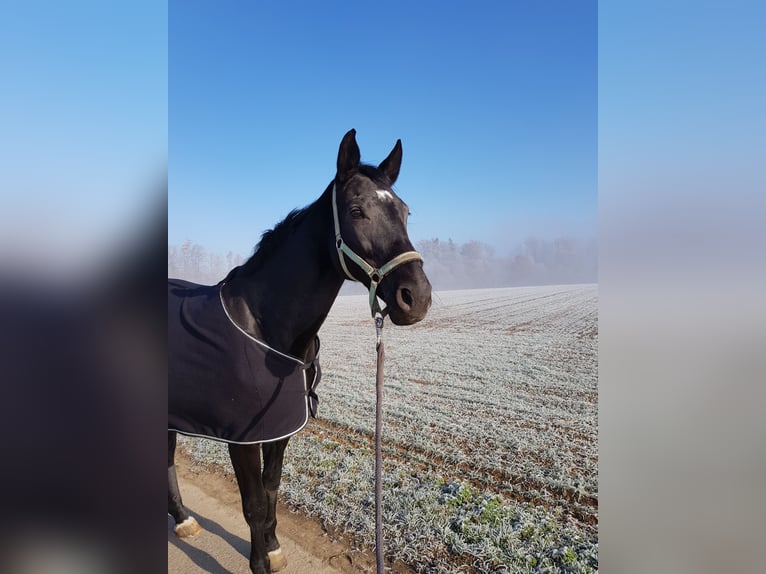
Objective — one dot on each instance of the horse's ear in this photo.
(390, 166)
(348, 155)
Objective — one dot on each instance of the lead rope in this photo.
(378, 444)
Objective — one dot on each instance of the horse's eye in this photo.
(356, 212)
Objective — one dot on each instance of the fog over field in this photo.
(449, 265)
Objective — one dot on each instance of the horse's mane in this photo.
(274, 237)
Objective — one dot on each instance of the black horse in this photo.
(262, 321)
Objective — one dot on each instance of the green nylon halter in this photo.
(375, 275)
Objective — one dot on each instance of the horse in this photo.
(261, 332)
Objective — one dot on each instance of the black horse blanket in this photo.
(225, 384)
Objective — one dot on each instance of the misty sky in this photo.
(495, 103)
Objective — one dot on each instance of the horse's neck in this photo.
(285, 302)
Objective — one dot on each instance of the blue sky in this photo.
(495, 103)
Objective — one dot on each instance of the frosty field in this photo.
(490, 432)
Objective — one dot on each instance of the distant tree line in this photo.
(537, 261)
(449, 265)
(191, 261)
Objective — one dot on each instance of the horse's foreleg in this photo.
(273, 456)
(186, 525)
(246, 460)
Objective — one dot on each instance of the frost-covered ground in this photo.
(490, 433)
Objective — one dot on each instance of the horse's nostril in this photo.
(405, 297)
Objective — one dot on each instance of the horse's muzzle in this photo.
(410, 301)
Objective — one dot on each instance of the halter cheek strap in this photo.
(376, 275)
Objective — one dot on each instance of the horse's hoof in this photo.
(188, 527)
(277, 560)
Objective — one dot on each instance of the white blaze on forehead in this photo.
(384, 194)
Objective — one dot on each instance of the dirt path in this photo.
(224, 544)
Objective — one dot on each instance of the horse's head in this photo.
(371, 234)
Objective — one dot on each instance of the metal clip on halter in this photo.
(378, 329)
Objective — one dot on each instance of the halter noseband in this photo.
(375, 275)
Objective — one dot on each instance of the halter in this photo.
(375, 275)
